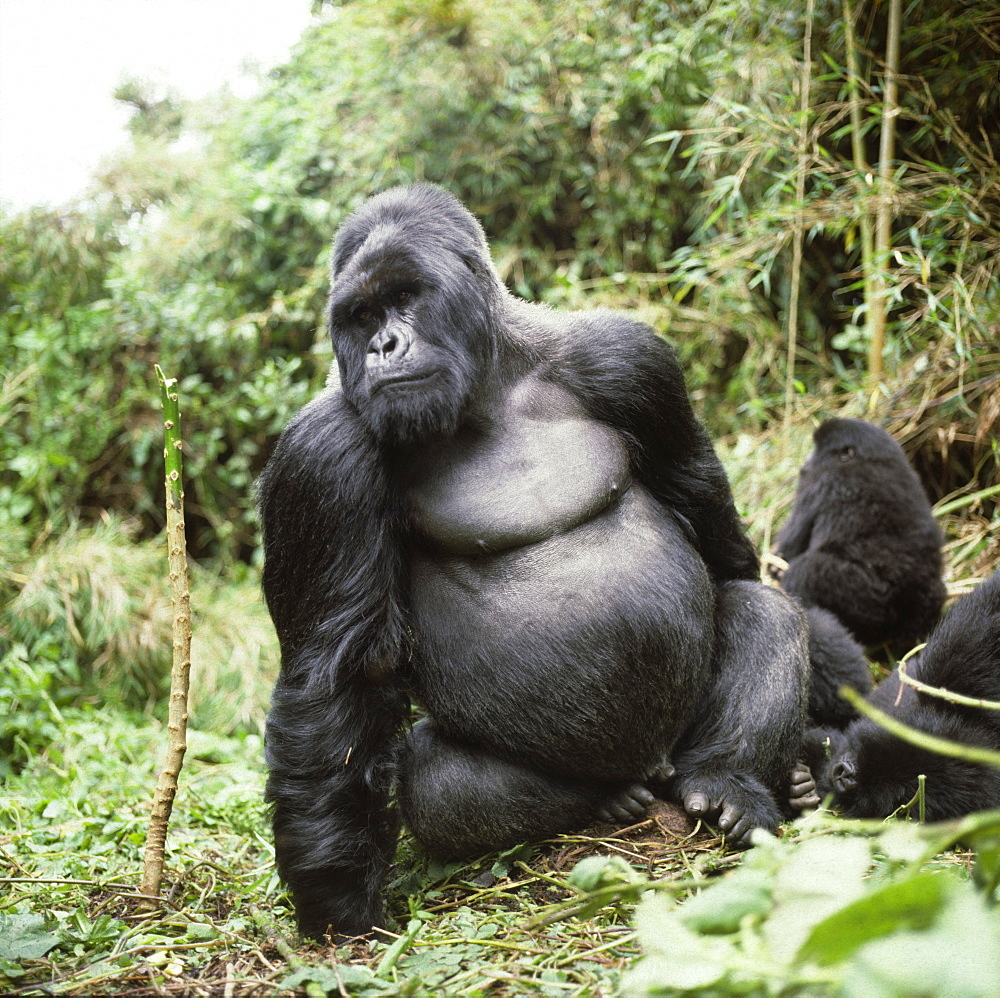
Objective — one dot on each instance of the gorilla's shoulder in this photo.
(324, 419)
(326, 436)
(604, 325)
(603, 342)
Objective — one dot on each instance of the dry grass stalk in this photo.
(883, 222)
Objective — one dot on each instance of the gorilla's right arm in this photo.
(331, 579)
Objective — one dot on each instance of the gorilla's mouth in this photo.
(416, 380)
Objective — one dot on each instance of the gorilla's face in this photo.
(410, 315)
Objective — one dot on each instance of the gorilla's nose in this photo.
(390, 343)
(843, 775)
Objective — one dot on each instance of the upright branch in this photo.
(883, 221)
(800, 195)
(166, 787)
(861, 169)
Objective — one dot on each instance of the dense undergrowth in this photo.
(637, 155)
(81, 766)
(874, 909)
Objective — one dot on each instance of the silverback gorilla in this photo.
(861, 541)
(511, 516)
(872, 772)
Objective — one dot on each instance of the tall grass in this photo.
(94, 608)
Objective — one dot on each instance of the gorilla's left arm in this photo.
(628, 377)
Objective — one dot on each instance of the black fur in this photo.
(513, 516)
(861, 541)
(871, 772)
(837, 660)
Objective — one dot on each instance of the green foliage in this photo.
(833, 908)
(31, 691)
(91, 624)
(630, 154)
(22, 937)
(71, 835)
(826, 914)
(157, 114)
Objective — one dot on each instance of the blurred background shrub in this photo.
(638, 155)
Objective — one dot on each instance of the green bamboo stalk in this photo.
(800, 196)
(944, 694)
(962, 501)
(883, 220)
(166, 787)
(861, 169)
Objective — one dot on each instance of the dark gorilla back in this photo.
(861, 541)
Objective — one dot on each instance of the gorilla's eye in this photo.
(402, 297)
(846, 453)
(364, 315)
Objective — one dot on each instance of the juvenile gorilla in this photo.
(512, 516)
(871, 772)
(861, 541)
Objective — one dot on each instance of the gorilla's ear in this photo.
(472, 261)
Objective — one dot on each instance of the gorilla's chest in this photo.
(539, 468)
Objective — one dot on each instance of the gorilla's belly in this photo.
(598, 630)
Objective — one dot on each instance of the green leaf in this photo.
(904, 841)
(602, 871)
(399, 947)
(676, 956)
(24, 937)
(508, 858)
(912, 904)
(958, 958)
(722, 906)
(820, 877)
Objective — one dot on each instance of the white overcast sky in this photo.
(60, 60)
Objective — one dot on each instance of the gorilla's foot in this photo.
(802, 788)
(629, 805)
(736, 802)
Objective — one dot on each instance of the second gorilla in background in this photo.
(861, 541)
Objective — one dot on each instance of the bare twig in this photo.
(800, 195)
(861, 168)
(883, 222)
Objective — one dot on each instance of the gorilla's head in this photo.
(873, 772)
(414, 306)
(853, 440)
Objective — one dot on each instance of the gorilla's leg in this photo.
(460, 801)
(737, 757)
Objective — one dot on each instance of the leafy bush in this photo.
(830, 914)
(629, 154)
